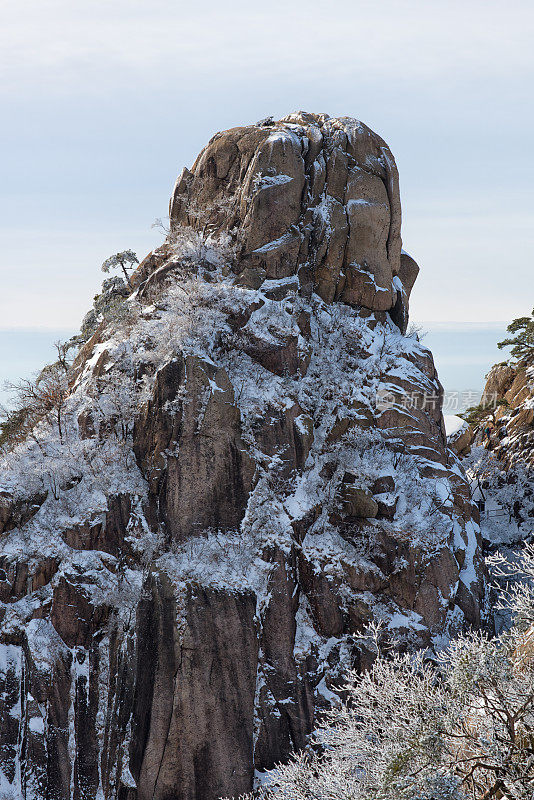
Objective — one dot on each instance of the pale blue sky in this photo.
(105, 101)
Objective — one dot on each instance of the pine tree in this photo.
(522, 343)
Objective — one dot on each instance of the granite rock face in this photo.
(509, 398)
(309, 195)
(252, 467)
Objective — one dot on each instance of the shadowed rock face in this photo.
(254, 467)
(206, 482)
(204, 676)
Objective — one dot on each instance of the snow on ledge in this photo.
(453, 425)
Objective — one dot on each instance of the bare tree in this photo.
(33, 401)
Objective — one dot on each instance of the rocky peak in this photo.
(252, 468)
(509, 399)
(310, 196)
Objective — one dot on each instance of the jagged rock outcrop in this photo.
(509, 399)
(252, 467)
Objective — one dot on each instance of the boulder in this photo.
(498, 381)
(356, 502)
(251, 278)
(383, 485)
(460, 435)
(15, 512)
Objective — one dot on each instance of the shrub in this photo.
(460, 728)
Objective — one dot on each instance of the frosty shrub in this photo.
(32, 402)
(199, 246)
(108, 306)
(13, 427)
(410, 729)
(202, 237)
(202, 246)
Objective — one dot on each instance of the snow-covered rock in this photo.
(509, 393)
(502, 465)
(252, 466)
(459, 434)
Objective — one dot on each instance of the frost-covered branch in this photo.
(411, 729)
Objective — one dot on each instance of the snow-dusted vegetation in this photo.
(417, 729)
(236, 471)
(71, 472)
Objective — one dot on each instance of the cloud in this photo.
(73, 47)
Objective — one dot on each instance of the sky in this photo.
(105, 101)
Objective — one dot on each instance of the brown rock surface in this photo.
(187, 572)
(308, 191)
(356, 502)
(509, 400)
(207, 482)
(498, 380)
(196, 683)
